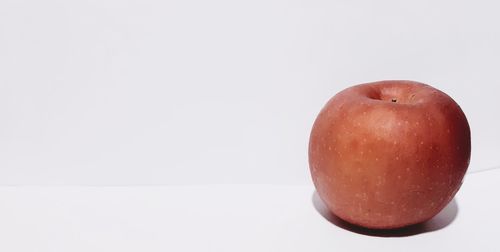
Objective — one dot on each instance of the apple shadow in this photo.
(440, 221)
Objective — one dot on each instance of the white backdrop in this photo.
(110, 92)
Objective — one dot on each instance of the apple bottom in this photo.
(383, 208)
(380, 184)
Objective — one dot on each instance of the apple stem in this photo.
(394, 100)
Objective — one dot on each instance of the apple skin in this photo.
(389, 154)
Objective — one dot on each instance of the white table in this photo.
(228, 218)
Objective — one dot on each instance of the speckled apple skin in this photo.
(389, 154)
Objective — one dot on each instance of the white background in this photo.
(190, 92)
(184, 92)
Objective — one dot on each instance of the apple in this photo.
(389, 154)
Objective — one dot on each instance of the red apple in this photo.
(389, 154)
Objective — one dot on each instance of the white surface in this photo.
(225, 218)
(115, 92)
